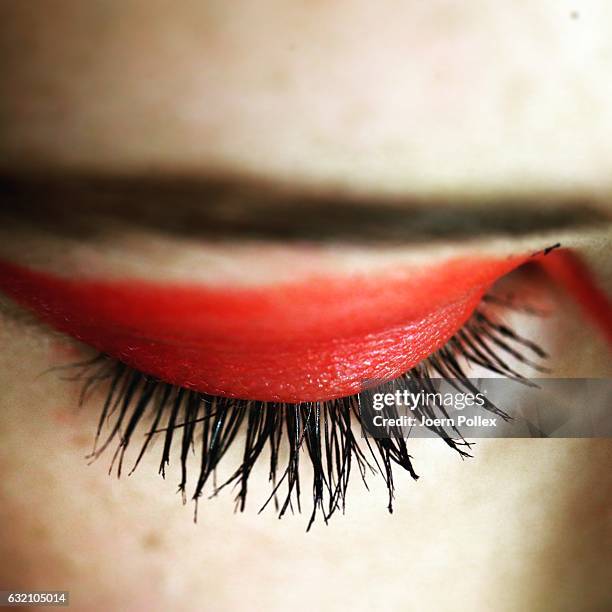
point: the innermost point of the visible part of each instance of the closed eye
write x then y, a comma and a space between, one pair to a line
277, 341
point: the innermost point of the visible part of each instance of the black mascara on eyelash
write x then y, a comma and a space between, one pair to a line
321, 433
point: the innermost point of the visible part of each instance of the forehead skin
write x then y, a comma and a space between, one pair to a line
399, 97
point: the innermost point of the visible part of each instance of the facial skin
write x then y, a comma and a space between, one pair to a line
394, 99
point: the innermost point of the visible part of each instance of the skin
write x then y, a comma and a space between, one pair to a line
479, 102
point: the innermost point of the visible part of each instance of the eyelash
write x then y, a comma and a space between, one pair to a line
321, 432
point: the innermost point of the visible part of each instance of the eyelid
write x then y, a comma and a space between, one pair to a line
569, 271
315, 339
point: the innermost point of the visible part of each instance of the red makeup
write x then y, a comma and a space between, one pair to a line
314, 339
572, 274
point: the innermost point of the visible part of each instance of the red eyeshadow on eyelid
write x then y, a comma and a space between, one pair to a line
314, 339
569, 271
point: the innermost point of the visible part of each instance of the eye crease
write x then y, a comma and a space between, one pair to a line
245, 208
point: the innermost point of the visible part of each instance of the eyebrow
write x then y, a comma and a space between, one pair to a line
235, 208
